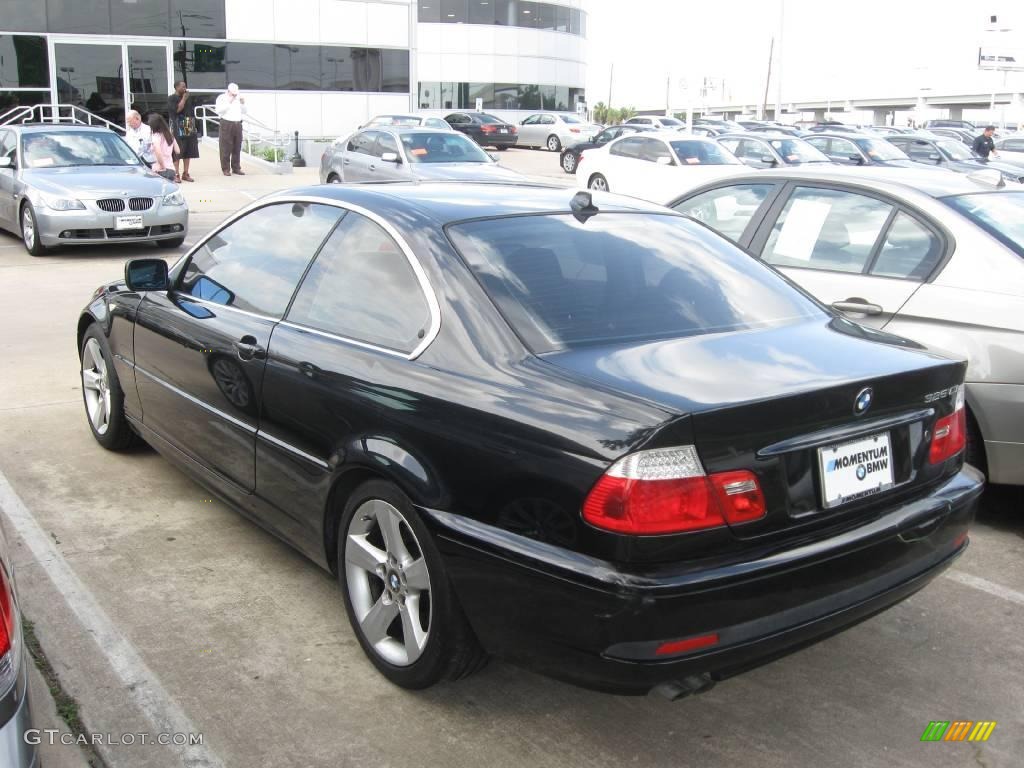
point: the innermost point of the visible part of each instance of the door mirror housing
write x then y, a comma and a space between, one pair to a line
663, 160
935, 157
146, 275
768, 160
857, 159
391, 157
6, 162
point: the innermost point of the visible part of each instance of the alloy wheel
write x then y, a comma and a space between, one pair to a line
599, 183
554, 144
569, 163
28, 228
96, 384
388, 582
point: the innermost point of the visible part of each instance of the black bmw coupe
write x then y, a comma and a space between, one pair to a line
581, 433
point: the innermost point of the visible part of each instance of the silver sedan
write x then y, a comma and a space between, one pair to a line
555, 131
80, 185
409, 154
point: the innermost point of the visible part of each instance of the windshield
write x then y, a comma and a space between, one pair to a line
616, 277
880, 149
797, 151
436, 147
999, 213
703, 153
954, 150
75, 148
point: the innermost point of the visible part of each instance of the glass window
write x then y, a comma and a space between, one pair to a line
880, 149
561, 18
430, 10
297, 68
23, 15
575, 21
1012, 145
954, 150
562, 283
362, 143
91, 76
545, 16
24, 62
630, 147
999, 213
727, 210
692, 152
447, 148
362, 287
504, 14
797, 151
653, 149
386, 143
483, 91
538, 97
140, 17
454, 11
481, 12
527, 14
826, 229
255, 263
561, 98
251, 65
198, 18
201, 64
78, 16
910, 250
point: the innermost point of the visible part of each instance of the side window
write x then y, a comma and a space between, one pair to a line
920, 150
733, 145
627, 147
8, 143
826, 229
386, 143
531, 120
726, 210
819, 142
547, 120
641, 121
362, 143
844, 149
1013, 145
371, 141
433, 122
362, 287
654, 149
255, 263
457, 119
910, 250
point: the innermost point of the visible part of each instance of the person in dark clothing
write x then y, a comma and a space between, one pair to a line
983, 145
181, 116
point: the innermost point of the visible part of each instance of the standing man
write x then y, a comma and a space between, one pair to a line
139, 137
984, 145
181, 117
230, 107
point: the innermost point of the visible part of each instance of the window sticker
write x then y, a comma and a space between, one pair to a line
801, 229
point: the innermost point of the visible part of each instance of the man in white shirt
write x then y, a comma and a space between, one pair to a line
139, 137
230, 107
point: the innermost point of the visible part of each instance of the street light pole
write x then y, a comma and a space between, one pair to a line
778, 59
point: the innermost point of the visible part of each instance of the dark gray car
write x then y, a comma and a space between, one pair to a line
860, 149
409, 154
951, 154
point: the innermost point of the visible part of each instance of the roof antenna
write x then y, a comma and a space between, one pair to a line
583, 207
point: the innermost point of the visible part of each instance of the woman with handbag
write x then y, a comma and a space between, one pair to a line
164, 148
181, 117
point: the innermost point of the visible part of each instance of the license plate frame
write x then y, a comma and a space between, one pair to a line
842, 484
128, 223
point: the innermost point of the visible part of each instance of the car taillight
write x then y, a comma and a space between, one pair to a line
487, 128
8, 626
512, 129
950, 434
666, 491
574, 130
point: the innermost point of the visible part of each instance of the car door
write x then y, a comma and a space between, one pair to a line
529, 131
200, 348
386, 170
359, 153
623, 167
864, 255
340, 377
662, 172
8, 148
753, 153
546, 126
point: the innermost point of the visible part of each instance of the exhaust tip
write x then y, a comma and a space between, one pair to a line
673, 690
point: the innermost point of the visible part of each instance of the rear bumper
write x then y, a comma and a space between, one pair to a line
499, 140
593, 624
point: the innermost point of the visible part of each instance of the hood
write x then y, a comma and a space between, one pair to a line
700, 373
91, 183
464, 172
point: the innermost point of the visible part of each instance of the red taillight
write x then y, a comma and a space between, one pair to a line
689, 644
7, 609
950, 434
488, 128
666, 491
574, 130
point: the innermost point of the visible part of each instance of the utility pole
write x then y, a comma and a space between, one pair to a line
668, 95
767, 82
611, 79
778, 62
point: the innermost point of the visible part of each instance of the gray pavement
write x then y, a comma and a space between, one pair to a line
161, 609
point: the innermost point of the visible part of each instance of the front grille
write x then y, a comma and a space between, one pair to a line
140, 203
113, 234
112, 205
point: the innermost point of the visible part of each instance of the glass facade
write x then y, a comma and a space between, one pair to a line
506, 13
211, 65
556, 98
158, 18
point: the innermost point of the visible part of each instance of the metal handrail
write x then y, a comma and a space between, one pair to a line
250, 138
57, 113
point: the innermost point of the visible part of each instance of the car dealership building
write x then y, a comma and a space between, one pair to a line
316, 66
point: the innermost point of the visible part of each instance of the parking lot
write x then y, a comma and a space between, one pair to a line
162, 610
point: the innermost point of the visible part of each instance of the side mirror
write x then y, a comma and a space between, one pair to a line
857, 159
390, 157
768, 160
935, 157
663, 160
146, 275
6, 162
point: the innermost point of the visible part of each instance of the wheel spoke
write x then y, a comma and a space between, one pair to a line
414, 636
390, 529
91, 380
376, 622
362, 554
97, 415
416, 575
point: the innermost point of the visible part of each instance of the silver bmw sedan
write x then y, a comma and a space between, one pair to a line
83, 185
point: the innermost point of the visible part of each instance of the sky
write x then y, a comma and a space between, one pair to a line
831, 50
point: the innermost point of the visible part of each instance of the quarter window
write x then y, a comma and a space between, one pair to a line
627, 147
727, 210
911, 250
362, 287
826, 229
653, 150
255, 263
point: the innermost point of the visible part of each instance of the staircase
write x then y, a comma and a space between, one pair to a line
258, 139
56, 114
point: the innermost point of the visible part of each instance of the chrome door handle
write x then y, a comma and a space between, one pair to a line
857, 305
348, 162
249, 349
373, 167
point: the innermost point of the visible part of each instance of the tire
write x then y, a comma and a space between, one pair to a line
975, 452
175, 243
553, 144
401, 588
334, 179
102, 394
598, 182
30, 231
501, 149
569, 162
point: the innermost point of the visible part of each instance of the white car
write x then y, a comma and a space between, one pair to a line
1011, 149
554, 131
658, 121
655, 166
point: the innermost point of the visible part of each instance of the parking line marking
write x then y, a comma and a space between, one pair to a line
985, 585
141, 683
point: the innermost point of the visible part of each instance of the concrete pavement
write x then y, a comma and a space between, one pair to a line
184, 615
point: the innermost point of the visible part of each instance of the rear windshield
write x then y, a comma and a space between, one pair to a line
1000, 213
621, 277
670, 121
570, 119
489, 119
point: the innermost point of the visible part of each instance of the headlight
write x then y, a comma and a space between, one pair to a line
175, 198
61, 203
